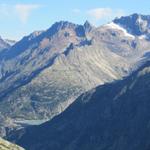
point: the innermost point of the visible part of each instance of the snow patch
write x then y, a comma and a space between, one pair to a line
30, 122
139, 20
142, 37
117, 27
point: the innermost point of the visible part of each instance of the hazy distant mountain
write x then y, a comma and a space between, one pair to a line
111, 117
44, 72
3, 44
10, 42
5, 145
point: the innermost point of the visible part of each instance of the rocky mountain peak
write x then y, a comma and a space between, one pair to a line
135, 24
60, 26
88, 26
65, 25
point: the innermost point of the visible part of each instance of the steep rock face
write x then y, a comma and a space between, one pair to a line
113, 116
5, 145
42, 74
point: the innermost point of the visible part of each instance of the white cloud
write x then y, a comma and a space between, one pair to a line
98, 14
23, 11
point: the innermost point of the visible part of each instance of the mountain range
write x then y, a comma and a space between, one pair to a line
113, 116
44, 72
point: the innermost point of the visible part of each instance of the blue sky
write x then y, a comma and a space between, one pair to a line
21, 17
